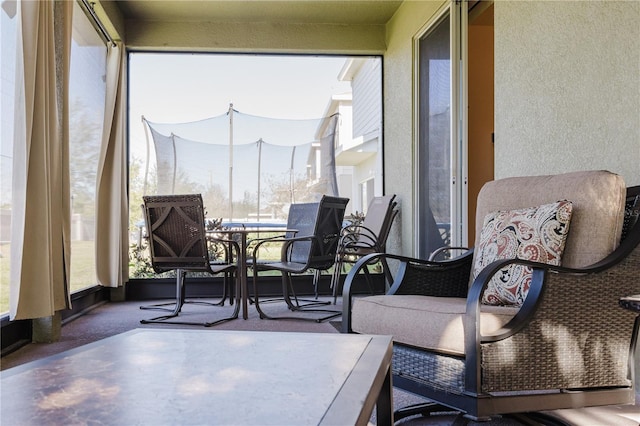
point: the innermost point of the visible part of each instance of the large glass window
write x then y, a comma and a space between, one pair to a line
8, 22
252, 133
86, 104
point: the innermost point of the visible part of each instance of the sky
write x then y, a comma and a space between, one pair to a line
193, 86
189, 87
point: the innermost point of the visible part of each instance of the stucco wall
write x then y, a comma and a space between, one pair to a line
398, 95
567, 88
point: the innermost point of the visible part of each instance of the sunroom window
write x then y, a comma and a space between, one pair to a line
86, 117
251, 133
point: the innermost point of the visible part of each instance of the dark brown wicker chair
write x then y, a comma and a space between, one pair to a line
312, 248
178, 242
570, 344
364, 238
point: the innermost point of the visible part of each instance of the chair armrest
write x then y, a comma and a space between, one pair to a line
255, 241
283, 243
357, 236
228, 246
414, 276
449, 249
569, 314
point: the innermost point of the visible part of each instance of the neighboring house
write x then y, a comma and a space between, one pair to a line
358, 141
340, 106
336, 127
363, 152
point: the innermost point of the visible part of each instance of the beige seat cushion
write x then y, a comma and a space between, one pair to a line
598, 199
423, 321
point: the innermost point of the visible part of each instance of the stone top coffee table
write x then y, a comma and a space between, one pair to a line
186, 377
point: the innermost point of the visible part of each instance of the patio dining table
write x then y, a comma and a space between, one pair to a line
242, 230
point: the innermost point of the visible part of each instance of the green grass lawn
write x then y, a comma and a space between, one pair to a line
82, 269
4, 277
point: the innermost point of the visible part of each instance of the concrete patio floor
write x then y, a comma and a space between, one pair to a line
114, 318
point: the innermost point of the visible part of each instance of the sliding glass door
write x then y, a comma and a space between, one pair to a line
441, 168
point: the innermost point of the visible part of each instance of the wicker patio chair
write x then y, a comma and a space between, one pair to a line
178, 242
569, 345
370, 236
313, 247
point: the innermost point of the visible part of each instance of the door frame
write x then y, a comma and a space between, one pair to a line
458, 18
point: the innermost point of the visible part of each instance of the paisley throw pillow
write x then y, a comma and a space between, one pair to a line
537, 234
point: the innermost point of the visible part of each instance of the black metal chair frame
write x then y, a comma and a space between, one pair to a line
300, 220
178, 242
301, 253
418, 370
368, 237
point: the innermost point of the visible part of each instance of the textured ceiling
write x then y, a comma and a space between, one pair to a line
368, 12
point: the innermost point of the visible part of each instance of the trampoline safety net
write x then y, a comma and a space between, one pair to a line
246, 167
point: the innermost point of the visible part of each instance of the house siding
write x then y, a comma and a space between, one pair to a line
367, 111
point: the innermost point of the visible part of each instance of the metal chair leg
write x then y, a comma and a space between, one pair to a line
422, 409
179, 303
180, 296
308, 302
293, 306
335, 278
161, 306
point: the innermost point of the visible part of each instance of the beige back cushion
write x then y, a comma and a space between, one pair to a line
598, 199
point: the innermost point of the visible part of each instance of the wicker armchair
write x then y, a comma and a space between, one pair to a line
178, 242
569, 345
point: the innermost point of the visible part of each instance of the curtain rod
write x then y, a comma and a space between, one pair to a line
98, 23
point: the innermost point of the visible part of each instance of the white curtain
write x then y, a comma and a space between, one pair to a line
40, 243
111, 190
